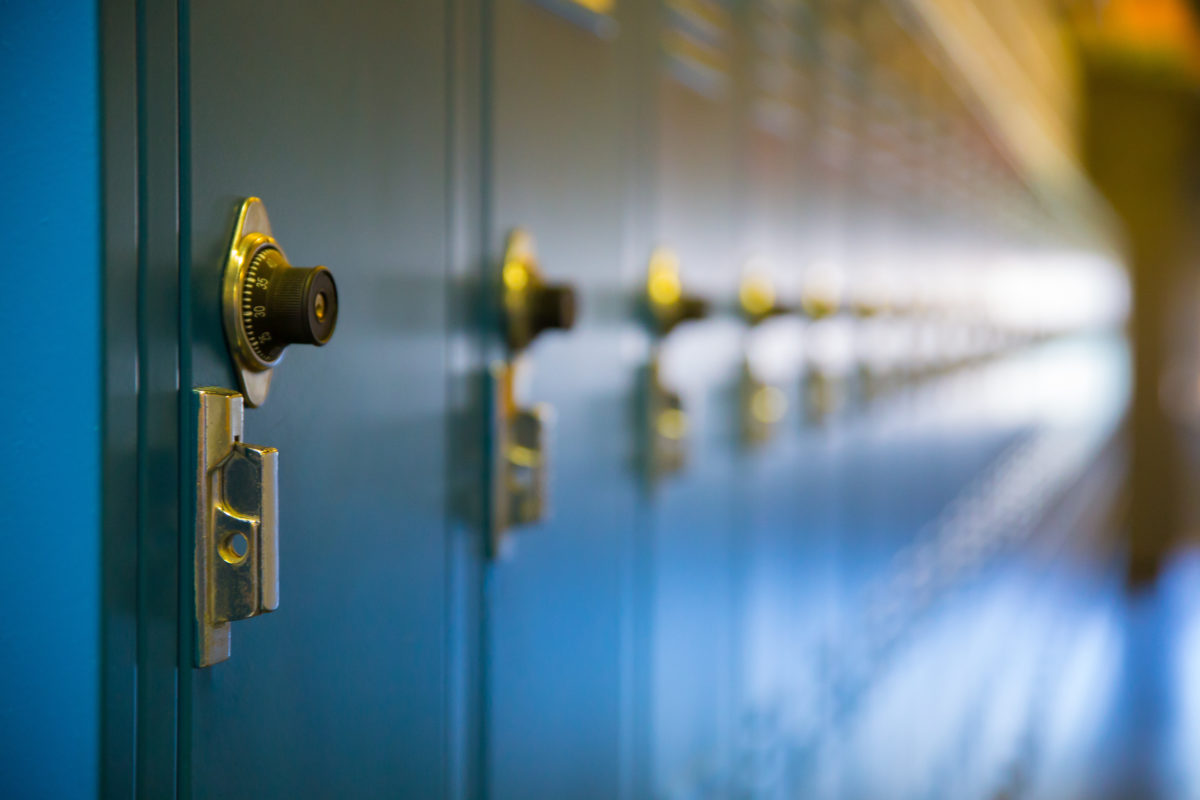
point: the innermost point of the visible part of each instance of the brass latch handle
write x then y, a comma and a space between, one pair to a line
520, 459
763, 403
664, 438
236, 558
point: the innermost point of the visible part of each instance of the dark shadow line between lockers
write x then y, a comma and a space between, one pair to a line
120, 410
187, 497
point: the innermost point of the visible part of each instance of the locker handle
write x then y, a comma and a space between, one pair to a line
236, 558
519, 462
665, 421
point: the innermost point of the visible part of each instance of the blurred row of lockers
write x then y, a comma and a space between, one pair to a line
848, 590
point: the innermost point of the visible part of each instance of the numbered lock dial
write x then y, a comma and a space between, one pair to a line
270, 304
284, 305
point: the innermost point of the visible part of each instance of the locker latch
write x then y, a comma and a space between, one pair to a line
763, 402
665, 420
666, 426
822, 388
236, 558
519, 467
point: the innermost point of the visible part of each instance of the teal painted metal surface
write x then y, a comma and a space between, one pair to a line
558, 606
160, 361
50, 474
697, 544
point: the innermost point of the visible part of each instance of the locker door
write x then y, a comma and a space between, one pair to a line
557, 604
780, 488
695, 556
335, 115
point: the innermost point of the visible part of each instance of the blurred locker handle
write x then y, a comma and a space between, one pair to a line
763, 404
518, 461
665, 422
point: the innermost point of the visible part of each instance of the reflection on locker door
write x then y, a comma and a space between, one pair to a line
315, 109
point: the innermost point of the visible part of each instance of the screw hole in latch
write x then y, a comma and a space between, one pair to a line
234, 548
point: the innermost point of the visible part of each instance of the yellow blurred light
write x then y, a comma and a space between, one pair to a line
516, 276
1162, 23
663, 283
664, 288
768, 404
757, 296
599, 6
819, 306
672, 423
524, 456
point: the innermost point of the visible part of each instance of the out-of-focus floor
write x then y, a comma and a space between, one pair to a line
1146, 740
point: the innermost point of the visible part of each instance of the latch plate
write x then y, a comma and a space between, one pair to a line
763, 407
763, 404
236, 558
665, 434
519, 455
251, 233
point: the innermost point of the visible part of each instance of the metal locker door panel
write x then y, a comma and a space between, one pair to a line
556, 603
694, 556
781, 496
336, 117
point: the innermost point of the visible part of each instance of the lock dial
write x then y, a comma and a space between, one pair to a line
532, 306
269, 304
284, 305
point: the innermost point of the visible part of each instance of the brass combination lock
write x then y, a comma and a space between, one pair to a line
531, 306
268, 303
668, 305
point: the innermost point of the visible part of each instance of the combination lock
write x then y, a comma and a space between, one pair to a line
668, 304
269, 304
532, 306
284, 305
